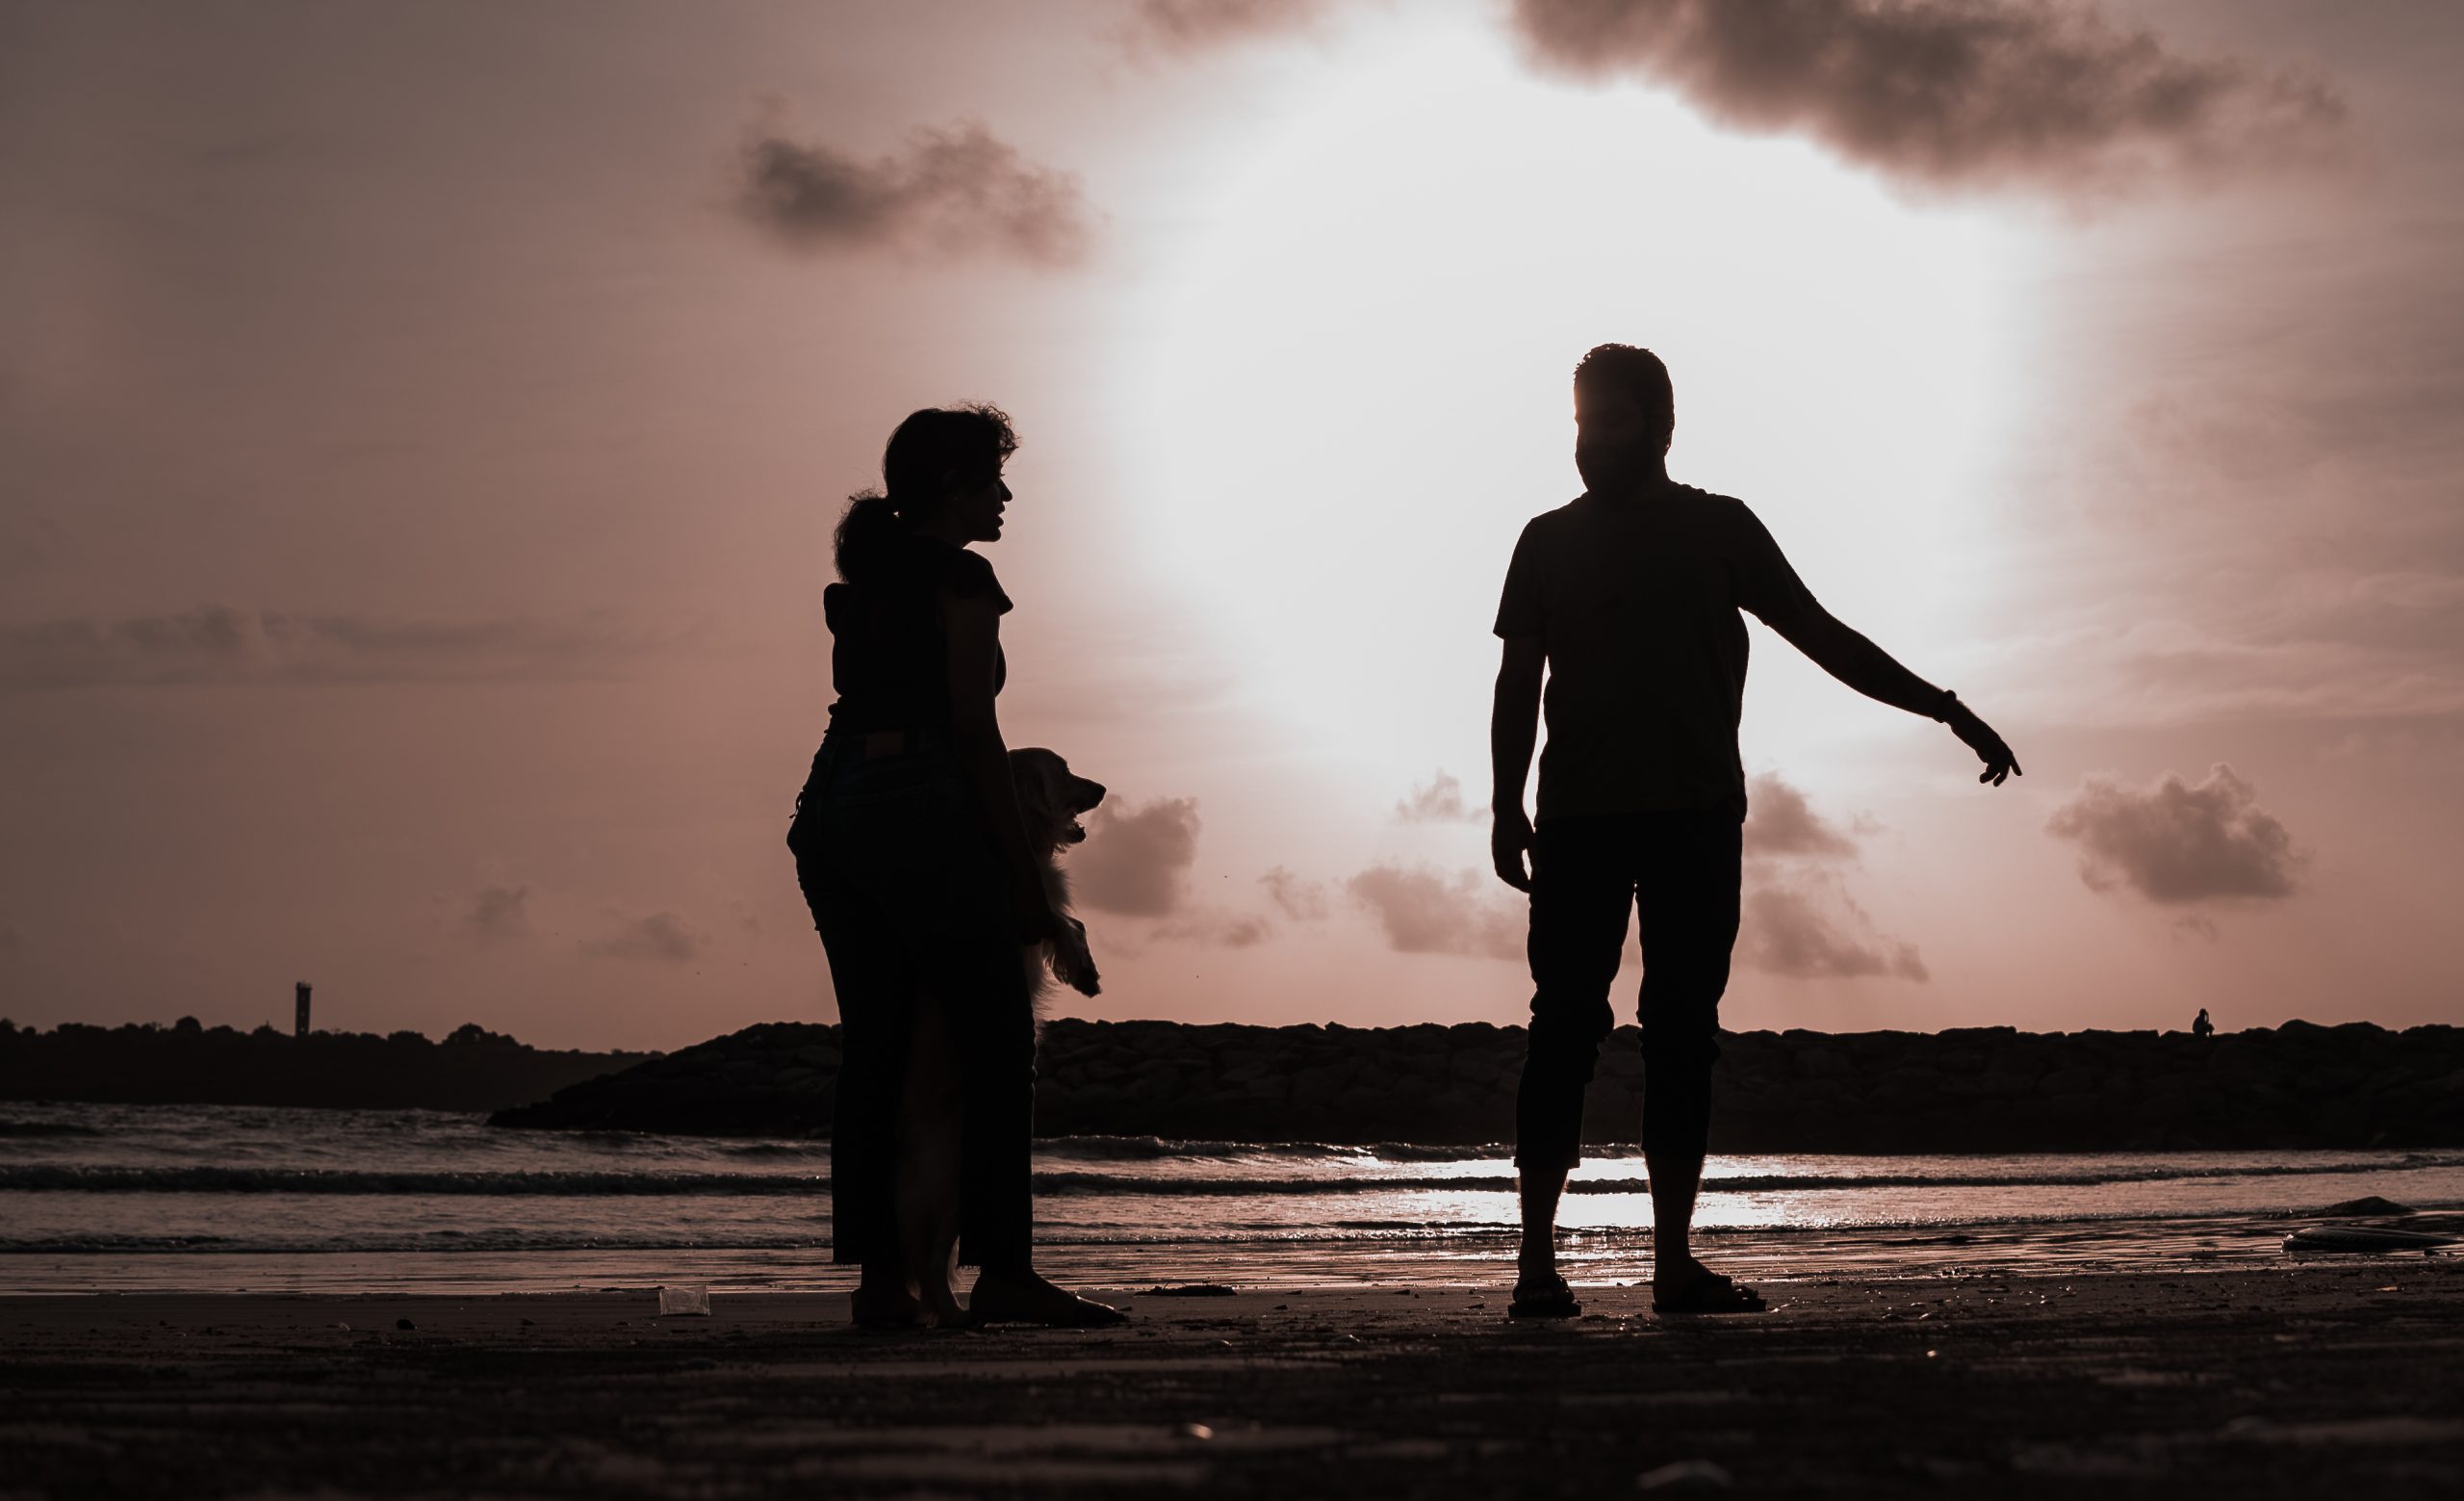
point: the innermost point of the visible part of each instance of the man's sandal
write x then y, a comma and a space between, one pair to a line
1707, 1292
1545, 1297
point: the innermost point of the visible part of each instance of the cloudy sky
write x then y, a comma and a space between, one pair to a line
419, 430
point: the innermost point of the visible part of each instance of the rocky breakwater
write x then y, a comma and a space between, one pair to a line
1978, 1089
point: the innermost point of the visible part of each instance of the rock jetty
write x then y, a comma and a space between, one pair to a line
472, 1069
1967, 1090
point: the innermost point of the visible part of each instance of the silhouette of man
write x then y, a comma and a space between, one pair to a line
2200, 1025
1628, 596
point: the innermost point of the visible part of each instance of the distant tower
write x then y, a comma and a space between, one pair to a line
301, 991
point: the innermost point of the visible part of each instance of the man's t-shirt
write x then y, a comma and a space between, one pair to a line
1635, 602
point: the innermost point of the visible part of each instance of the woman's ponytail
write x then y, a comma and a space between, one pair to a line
867, 526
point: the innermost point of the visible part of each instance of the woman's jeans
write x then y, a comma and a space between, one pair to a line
906, 893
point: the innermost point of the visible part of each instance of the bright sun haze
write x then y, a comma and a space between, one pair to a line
1371, 353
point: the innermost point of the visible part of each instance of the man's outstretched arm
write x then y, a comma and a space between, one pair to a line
1848, 656
1514, 727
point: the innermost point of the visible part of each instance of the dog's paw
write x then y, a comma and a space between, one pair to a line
1072, 964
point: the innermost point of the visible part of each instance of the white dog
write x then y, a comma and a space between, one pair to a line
932, 1108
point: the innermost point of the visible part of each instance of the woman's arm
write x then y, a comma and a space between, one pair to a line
972, 626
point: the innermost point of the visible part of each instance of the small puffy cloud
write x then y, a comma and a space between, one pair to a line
1804, 926
1424, 913
1798, 919
2180, 844
1302, 900
1948, 93
498, 914
1184, 26
216, 643
1780, 821
1439, 802
1215, 929
662, 938
1136, 860
960, 192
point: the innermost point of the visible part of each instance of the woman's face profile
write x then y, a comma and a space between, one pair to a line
975, 509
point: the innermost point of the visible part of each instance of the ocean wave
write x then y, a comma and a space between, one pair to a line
67, 1177
1165, 1149
71, 1179
2049, 1230
24, 1129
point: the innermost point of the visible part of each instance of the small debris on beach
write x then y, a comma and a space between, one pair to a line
404, 1324
1189, 1290
684, 1301
2363, 1207
1685, 1477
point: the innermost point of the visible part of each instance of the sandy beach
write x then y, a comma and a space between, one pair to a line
2274, 1382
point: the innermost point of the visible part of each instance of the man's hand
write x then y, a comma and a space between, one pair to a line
1509, 841
1999, 763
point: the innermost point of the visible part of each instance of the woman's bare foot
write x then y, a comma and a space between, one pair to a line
1026, 1297
939, 1308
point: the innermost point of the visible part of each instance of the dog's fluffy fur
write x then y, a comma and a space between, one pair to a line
1051, 800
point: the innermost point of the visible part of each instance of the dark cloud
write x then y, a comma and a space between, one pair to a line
1947, 92
1302, 901
2178, 844
1136, 860
1439, 802
1424, 913
960, 192
499, 913
1804, 926
1196, 25
662, 938
1780, 821
220, 643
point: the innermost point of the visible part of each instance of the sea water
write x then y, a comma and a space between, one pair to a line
218, 1198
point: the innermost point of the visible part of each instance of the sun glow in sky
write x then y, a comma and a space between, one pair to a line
1356, 373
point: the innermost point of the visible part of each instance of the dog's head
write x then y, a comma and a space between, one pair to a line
1052, 798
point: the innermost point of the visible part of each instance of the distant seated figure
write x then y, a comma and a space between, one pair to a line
2202, 1027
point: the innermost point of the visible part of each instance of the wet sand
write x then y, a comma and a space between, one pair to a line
2332, 1376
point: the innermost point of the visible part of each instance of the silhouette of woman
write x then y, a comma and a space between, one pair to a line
913, 857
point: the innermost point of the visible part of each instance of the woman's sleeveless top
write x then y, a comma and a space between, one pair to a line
889, 656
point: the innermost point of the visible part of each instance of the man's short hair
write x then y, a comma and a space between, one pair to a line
1637, 373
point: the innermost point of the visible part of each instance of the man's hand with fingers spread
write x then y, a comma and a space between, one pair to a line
1999, 763
1509, 841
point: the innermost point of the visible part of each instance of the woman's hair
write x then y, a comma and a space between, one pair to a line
933, 451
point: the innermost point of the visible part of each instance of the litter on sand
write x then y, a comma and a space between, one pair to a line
2351, 1239
675, 1300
